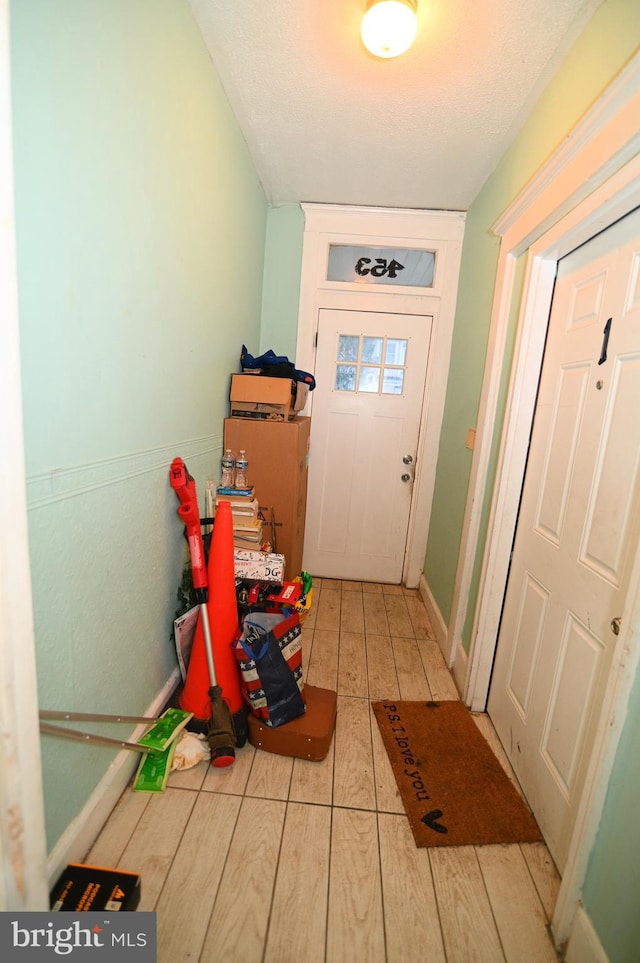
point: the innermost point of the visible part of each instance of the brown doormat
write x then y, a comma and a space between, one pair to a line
454, 790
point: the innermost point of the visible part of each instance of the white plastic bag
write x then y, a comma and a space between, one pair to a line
191, 749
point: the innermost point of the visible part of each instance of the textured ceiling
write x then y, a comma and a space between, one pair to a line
328, 123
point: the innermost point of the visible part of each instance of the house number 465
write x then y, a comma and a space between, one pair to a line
381, 267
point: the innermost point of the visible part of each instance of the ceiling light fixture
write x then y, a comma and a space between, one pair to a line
389, 27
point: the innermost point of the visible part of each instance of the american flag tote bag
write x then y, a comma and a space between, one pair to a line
269, 653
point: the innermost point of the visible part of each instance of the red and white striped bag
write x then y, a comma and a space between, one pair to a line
268, 648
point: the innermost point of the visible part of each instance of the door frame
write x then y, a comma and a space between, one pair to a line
439, 231
591, 181
24, 884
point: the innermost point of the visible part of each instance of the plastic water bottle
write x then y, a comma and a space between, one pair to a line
241, 470
227, 469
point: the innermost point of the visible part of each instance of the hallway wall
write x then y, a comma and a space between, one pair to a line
140, 243
612, 885
281, 291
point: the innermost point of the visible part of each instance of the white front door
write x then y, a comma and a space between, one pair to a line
370, 372
578, 526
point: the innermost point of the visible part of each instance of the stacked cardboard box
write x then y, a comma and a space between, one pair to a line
278, 463
266, 399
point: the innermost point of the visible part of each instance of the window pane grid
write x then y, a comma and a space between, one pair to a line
371, 365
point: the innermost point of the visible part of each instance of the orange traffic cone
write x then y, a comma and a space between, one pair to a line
223, 619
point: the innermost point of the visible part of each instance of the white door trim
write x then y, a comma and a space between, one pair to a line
592, 180
603, 142
442, 231
23, 883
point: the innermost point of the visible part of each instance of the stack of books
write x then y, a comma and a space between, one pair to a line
247, 523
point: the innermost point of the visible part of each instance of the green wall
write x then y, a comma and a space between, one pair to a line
468, 350
140, 238
281, 291
612, 887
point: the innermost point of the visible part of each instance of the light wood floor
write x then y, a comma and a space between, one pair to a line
287, 861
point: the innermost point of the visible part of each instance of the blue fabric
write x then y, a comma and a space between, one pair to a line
275, 365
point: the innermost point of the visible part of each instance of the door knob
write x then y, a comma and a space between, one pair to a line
615, 625
406, 477
407, 459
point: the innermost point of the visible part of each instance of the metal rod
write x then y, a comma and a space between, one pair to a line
208, 645
91, 716
49, 730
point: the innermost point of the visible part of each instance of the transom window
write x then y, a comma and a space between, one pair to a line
371, 364
400, 267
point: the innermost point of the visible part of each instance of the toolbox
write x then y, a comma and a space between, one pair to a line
306, 737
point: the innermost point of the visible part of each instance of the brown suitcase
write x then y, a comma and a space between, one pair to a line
307, 737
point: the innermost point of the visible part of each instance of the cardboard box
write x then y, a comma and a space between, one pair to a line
266, 399
278, 466
263, 566
93, 888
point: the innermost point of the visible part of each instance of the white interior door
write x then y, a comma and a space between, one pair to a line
579, 523
370, 373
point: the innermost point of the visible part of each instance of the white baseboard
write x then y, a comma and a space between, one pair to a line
459, 665
459, 668
82, 831
434, 613
584, 945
